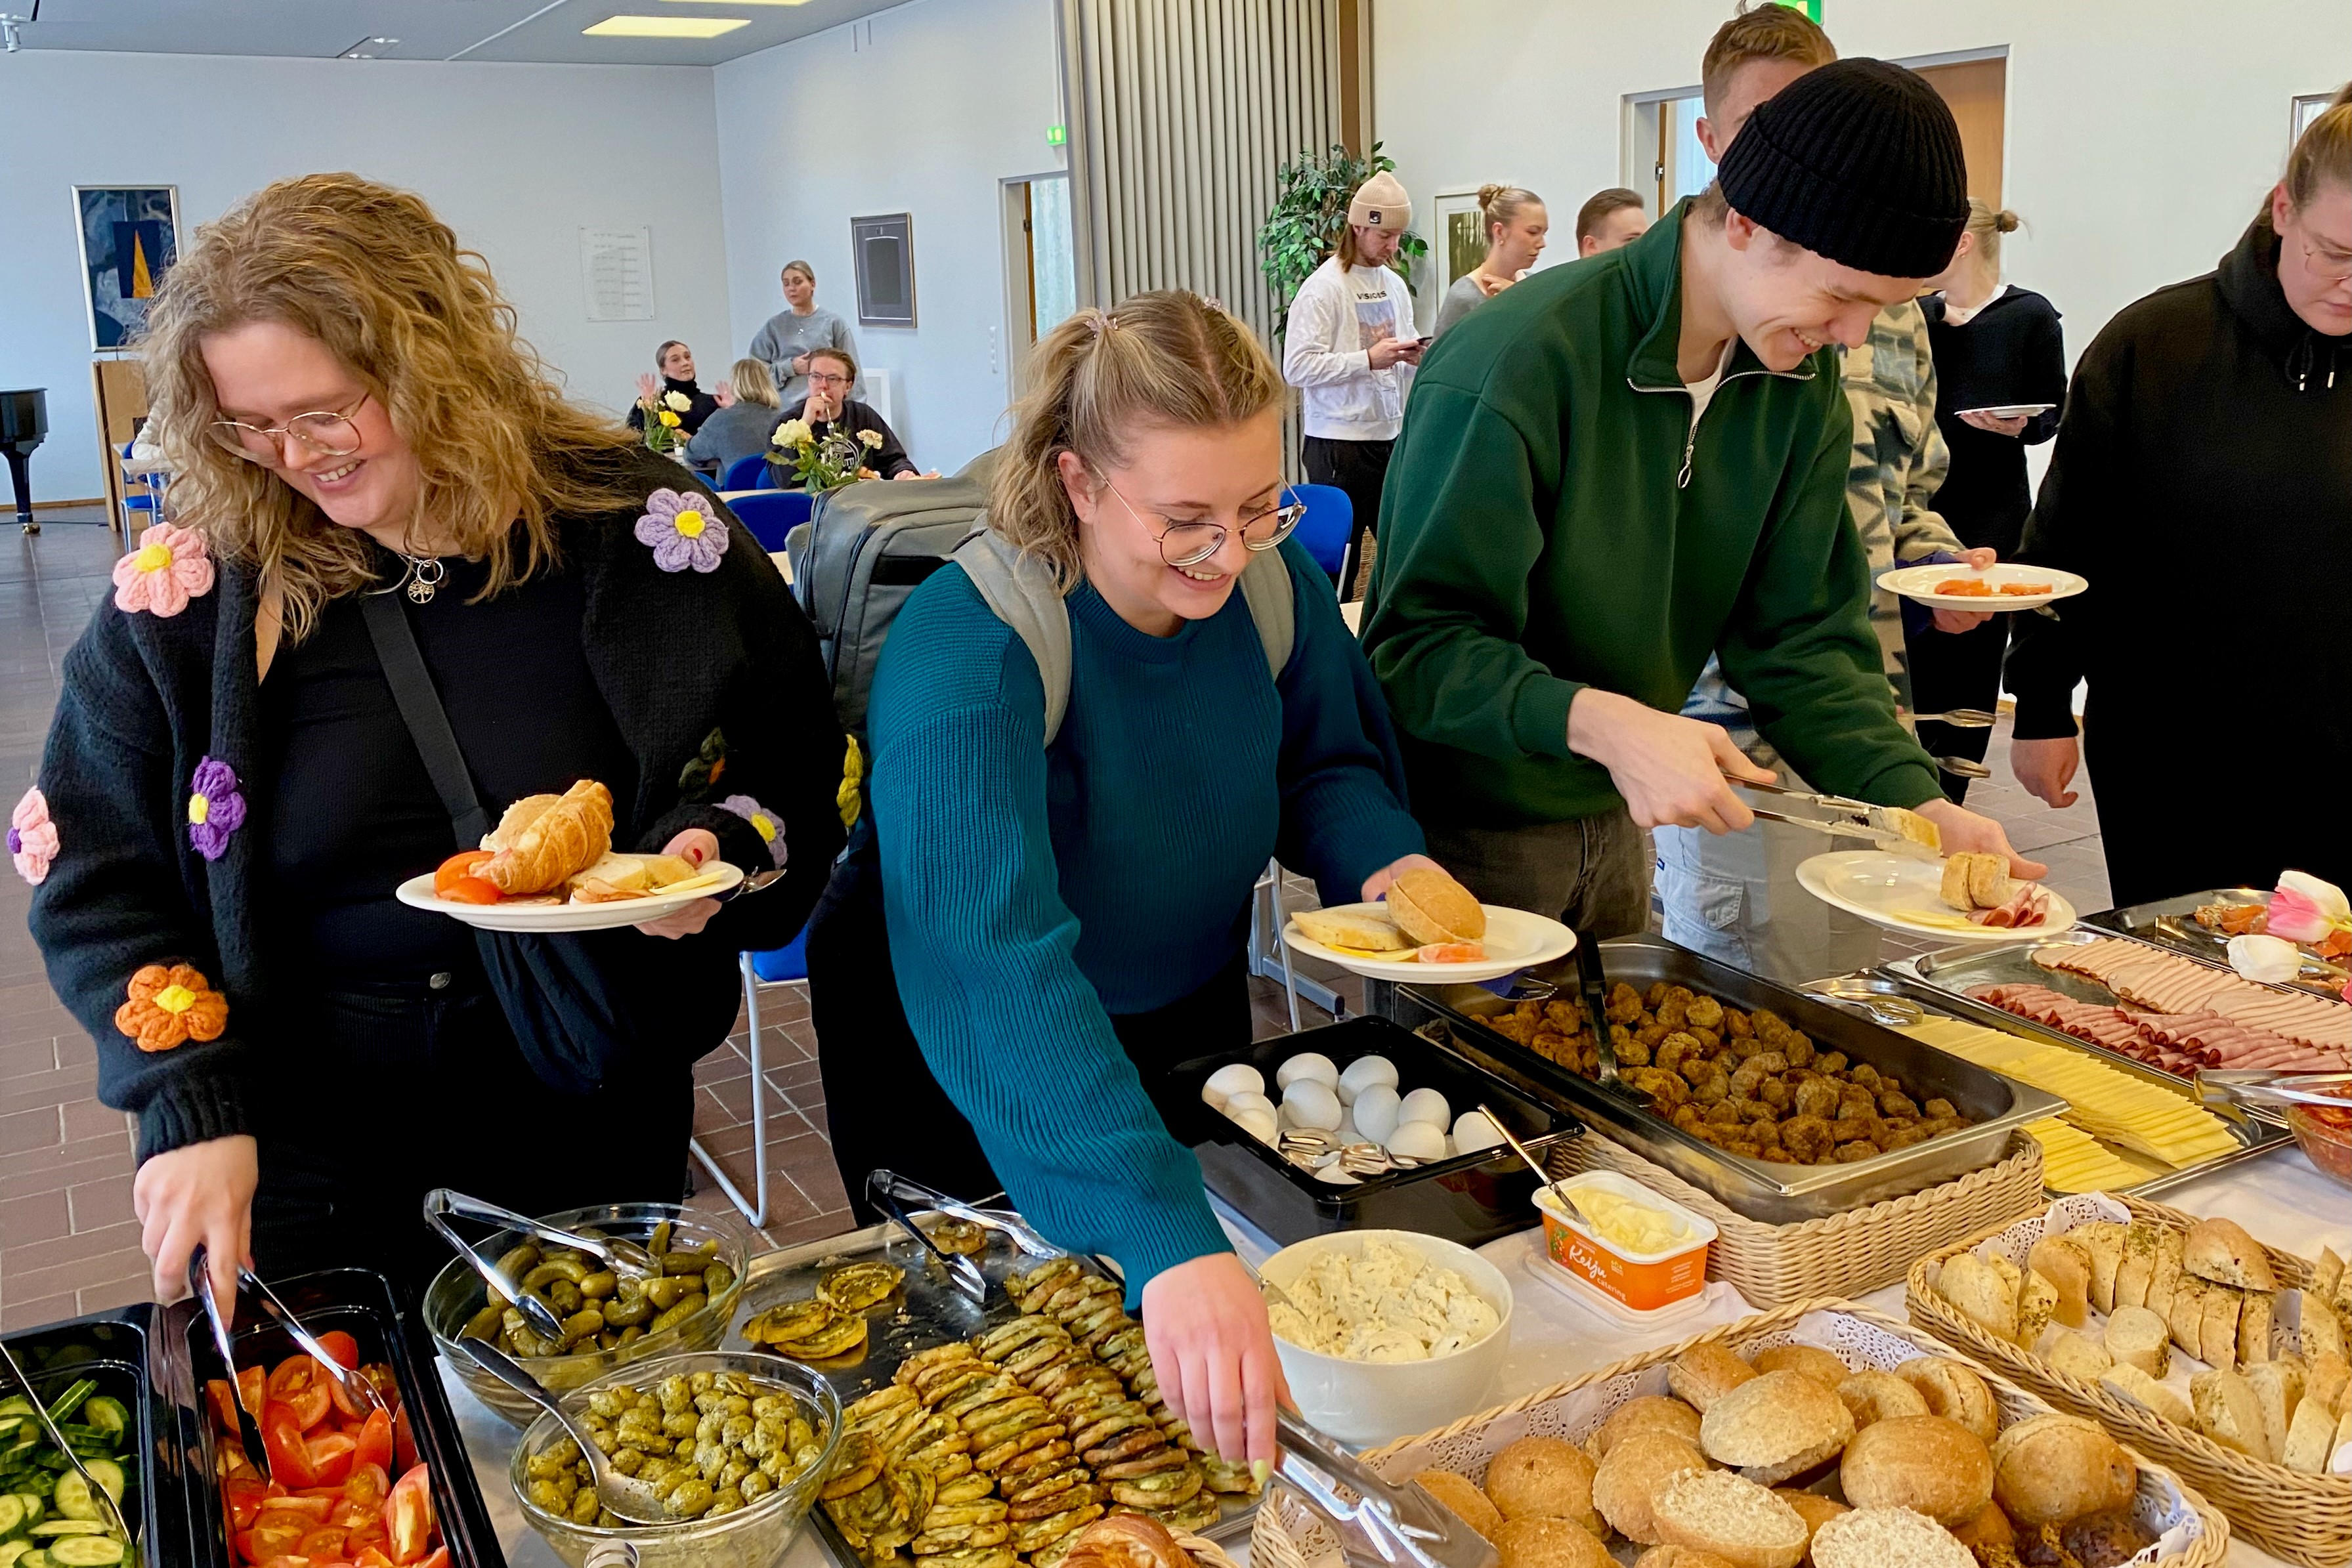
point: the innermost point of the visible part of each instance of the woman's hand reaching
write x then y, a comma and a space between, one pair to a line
1213, 1352
197, 1193
648, 389
698, 847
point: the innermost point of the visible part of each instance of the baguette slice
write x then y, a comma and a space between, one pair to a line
2321, 1333
2103, 1241
1979, 1294
2221, 1250
2164, 1277
2277, 1394
2255, 1330
2228, 1412
2127, 1382
2185, 1314
2137, 1337
2310, 1439
2138, 1265
2328, 1379
2223, 1307
2079, 1356
2065, 1262
2037, 1304
2326, 1273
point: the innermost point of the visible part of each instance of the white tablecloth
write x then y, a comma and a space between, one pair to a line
2280, 1198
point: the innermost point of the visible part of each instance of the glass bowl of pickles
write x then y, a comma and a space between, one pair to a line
609, 1320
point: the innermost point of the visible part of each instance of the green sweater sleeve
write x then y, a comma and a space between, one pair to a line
1460, 535
1799, 647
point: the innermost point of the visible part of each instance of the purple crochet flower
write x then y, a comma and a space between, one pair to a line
684, 530
763, 821
215, 808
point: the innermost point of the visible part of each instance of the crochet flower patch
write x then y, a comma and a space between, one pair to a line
170, 567
763, 822
702, 772
683, 531
32, 837
169, 1006
215, 808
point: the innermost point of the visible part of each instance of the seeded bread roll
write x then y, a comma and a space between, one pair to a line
1630, 1476
2078, 1357
2228, 1412
1777, 1424
1923, 1463
2065, 1262
1678, 1557
2137, 1337
1738, 1520
1990, 1529
2103, 1241
1462, 1496
2051, 1469
1818, 1365
1538, 1541
1648, 1413
1704, 1374
1954, 1391
1543, 1478
1870, 1395
2221, 1252
2128, 1382
1811, 1507
1888, 1538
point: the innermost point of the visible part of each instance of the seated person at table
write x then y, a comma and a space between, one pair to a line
745, 420
674, 360
830, 408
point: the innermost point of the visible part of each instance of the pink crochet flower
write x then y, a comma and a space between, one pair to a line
32, 837
170, 567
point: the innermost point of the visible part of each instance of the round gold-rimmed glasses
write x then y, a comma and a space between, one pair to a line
1189, 544
327, 434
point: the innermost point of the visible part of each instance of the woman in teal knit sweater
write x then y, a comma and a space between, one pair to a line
1066, 920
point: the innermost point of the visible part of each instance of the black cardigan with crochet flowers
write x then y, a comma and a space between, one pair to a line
709, 669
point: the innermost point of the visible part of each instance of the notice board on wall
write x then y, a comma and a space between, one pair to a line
616, 268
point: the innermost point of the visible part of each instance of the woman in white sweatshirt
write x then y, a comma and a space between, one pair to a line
1349, 349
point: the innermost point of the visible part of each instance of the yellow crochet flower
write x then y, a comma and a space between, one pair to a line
853, 773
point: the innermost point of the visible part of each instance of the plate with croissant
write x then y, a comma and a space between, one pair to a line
549, 866
1966, 897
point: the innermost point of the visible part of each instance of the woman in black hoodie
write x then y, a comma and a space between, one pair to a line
2202, 481
674, 360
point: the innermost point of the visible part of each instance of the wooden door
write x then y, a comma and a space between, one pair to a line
1978, 92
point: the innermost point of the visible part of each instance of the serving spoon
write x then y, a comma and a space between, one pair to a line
1551, 1182
639, 1502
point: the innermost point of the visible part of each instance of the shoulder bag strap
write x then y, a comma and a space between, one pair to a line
420, 709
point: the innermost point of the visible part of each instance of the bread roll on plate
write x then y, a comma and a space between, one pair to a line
2050, 1469
1366, 933
1462, 1496
1543, 1478
1623, 1485
1745, 1524
1540, 1541
1776, 1425
1430, 907
1888, 1538
1923, 1463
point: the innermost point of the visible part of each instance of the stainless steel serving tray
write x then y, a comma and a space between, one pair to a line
2171, 923
926, 1311
1773, 1193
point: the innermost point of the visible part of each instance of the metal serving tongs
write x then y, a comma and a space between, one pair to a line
906, 1190
620, 1256
99, 1494
360, 1393
249, 1430
1401, 1527
2252, 1086
1884, 825
1860, 992
884, 1187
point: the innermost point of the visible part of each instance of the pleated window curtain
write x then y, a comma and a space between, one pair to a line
1180, 111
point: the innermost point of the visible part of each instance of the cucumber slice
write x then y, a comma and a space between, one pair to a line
107, 1474
15, 1405
86, 1551
12, 1551
35, 1509
37, 1558
73, 1499
70, 1527
11, 1514
107, 1415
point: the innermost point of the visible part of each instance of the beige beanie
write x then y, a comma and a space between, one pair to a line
1381, 203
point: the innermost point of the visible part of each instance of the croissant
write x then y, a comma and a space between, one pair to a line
546, 844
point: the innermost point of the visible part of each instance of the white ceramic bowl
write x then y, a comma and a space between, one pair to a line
1364, 1402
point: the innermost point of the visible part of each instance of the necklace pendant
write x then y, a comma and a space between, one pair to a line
419, 590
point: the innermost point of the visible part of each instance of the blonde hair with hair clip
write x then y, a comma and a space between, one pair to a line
372, 274
1167, 358
1988, 227
755, 383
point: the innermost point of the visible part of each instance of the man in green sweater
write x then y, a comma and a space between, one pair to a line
1625, 465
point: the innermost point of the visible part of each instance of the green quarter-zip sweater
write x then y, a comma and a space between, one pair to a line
1553, 521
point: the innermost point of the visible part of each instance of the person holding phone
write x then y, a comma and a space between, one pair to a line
1349, 349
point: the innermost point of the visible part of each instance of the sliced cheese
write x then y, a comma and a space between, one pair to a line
2126, 1112
2073, 1161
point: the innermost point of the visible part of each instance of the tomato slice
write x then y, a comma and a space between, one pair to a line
281, 1437
461, 864
440, 1559
331, 1461
244, 1495
374, 1442
274, 1536
324, 1544
408, 1516
299, 1384
341, 1346
312, 1509
404, 1441
369, 1557
368, 1484
470, 890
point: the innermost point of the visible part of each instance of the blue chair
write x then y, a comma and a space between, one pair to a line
773, 967
745, 474
772, 514
142, 493
1323, 531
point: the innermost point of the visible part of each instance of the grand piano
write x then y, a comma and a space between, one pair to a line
24, 424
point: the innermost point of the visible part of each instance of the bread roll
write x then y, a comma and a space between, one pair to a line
2065, 1262
1738, 1520
2137, 1267
1460, 1495
1954, 1391
1775, 1426
1430, 906
1648, 1413
1543, 1478
2221, 1252
1704, 1374
1870, 1395
2051, 1469
2254, 1328
1887, 1538
2137, 1337
2079, 1356
2165, 1276
2228, 1412
2104, 1242
2217, 1345
1623, 1485
1678, 1557
1979, 1293
1369, 933
1818, 1365
1990, 1529
1540, 1541
1811, 1507
1923, 1463
2037, 1303
2128, 1382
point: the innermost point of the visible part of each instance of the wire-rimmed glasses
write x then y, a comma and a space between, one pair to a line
327, 432
1189, 544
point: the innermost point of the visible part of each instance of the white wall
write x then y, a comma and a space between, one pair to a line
923, 108
515, 158
2141, 135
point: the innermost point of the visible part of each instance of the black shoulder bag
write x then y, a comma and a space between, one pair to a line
567, 1015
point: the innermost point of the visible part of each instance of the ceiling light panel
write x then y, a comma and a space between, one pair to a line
665, 26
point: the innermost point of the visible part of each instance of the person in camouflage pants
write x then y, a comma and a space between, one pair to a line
1734, 897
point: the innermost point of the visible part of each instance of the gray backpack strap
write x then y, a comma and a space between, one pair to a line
1019, 590
1273, 605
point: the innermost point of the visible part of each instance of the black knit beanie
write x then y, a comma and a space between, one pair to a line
1860, 161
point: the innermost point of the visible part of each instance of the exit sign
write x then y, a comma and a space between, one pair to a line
1812, 8
1057, 135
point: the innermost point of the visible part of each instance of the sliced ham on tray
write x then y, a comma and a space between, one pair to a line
2165, 983
2177, 1042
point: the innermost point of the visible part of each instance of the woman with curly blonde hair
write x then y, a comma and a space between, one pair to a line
406, 585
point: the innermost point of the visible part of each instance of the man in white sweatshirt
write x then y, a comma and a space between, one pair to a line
1349, 349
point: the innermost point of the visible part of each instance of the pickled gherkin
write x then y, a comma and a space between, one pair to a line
709, 1442
600, 1309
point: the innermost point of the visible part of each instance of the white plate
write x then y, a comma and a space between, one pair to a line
1920, 583
1999, 410
1514, 940
1900, 893
417, 894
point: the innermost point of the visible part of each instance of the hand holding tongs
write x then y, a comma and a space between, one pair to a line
2255, 1086
891, 1192
99, 1494
620, 1256
357, 1392
1402, 1527
249, 1430
1849, 819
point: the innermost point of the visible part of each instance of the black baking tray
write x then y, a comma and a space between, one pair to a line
359, 1302
1471, 1198
112, 1347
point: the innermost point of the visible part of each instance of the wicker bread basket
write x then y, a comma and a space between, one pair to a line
2302, 1518
1288, 1533
1844, 1255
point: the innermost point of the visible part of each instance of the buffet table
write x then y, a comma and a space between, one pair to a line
2280, 1197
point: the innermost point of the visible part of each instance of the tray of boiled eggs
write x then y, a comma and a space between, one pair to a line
1357, 1120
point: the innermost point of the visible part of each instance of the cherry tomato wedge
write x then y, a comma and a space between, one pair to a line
330, 1460
375, 1436
462, 864
273, 1535
299, 1384
312, 1509
440, 1559
368, 1484
408, 1517
369, 1557
281, 1437
244, 1496
470, 890
324, 1544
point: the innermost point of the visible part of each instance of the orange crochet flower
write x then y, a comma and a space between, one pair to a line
170, 1007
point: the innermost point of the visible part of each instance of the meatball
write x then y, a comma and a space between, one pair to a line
1737, 1024
1771, 1061
1566, 1017
1713, 1083
1746, 1081
1858, 1129
1866, 1075
1710, 1038
1624, 1004
1724, 1113
1893, 1104
1675, 1010
1807, 1138
1747, 1048
1554, 1048
1904, 1137
1743, 1148
1705, 1011
1755, 1111
1687, 1117
1678, 1052
1938, 1109
1856, 1101
1828, 1061
1798, 1050
1817, 1098
1650, 1034
1708, 1132
1653, 996
1774, 1154
1775, 1093
1856, 1152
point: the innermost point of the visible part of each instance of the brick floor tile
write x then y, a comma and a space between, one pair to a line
87, 1118
32, 1313
117, 1293
22, 1131
98, 1204
41, 1217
